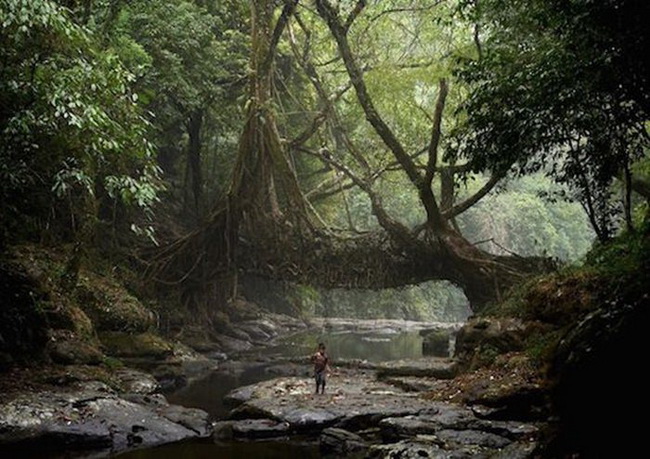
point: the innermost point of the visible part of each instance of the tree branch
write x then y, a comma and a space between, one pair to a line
432, 163
331, 17
356, 11
287, 11
476, 197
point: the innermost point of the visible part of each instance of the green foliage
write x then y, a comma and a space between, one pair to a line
521, 219
190, 58
561, 89
623, 265
69, 122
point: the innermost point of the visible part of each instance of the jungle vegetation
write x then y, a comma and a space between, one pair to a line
330, 144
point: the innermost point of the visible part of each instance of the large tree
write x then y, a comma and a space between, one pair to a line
266, 224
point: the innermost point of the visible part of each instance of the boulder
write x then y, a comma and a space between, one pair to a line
141, 345
240, 395
74, 352
229, 344
452, 439
259, 428
341, 443
419, 448
136, 382
481, 340
111, 307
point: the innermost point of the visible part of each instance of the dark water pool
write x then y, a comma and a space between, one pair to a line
280, 449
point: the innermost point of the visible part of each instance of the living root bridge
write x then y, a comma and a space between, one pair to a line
375, 261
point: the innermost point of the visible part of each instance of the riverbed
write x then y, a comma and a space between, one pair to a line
361, 341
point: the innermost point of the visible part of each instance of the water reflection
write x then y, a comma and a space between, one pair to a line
374, 347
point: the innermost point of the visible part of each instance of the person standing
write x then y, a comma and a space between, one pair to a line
321, 366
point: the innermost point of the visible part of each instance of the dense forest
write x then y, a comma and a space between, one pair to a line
191, 162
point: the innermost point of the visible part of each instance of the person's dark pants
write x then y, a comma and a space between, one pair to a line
320, 381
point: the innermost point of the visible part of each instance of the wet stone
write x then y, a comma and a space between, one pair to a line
341, 443
259, 428
454, 438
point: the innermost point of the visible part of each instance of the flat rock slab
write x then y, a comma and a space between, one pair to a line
90, 420
354, 401
412, 383
250, 429
433, 367
451, 417
424, 446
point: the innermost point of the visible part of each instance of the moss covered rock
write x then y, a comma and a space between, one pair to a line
482, 339
74, 351
111, 307
139, 345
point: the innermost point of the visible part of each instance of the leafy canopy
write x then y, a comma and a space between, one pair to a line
69, 122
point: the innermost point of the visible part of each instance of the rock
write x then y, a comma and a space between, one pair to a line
449, 420
170, 377
155, 402
440, 416
88, 420
518, 450
420, 448
218, 356
142, 345
427, 367
74, 352
480, 340
192, 418
239, 334
467, 437
355, 402
111, 307
301, 419
411, 383
259, 428
435, 342
341, 443
222, 430
377, 326
137, 382
254, 331
229, 344
525, 402
133, 424
240, 395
